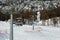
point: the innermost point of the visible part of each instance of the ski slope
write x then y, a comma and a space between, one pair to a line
25, 32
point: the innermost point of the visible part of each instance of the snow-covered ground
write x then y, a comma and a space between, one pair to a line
25, 32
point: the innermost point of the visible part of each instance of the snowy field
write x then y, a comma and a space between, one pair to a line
25, 32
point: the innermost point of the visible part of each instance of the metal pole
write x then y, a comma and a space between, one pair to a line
33, 26
33, 22
11, 27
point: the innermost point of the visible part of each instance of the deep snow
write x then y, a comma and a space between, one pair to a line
25, 32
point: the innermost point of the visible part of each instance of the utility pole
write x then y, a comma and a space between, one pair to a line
11, 22
11, 27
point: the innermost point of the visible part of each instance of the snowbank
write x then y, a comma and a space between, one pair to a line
25, 32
